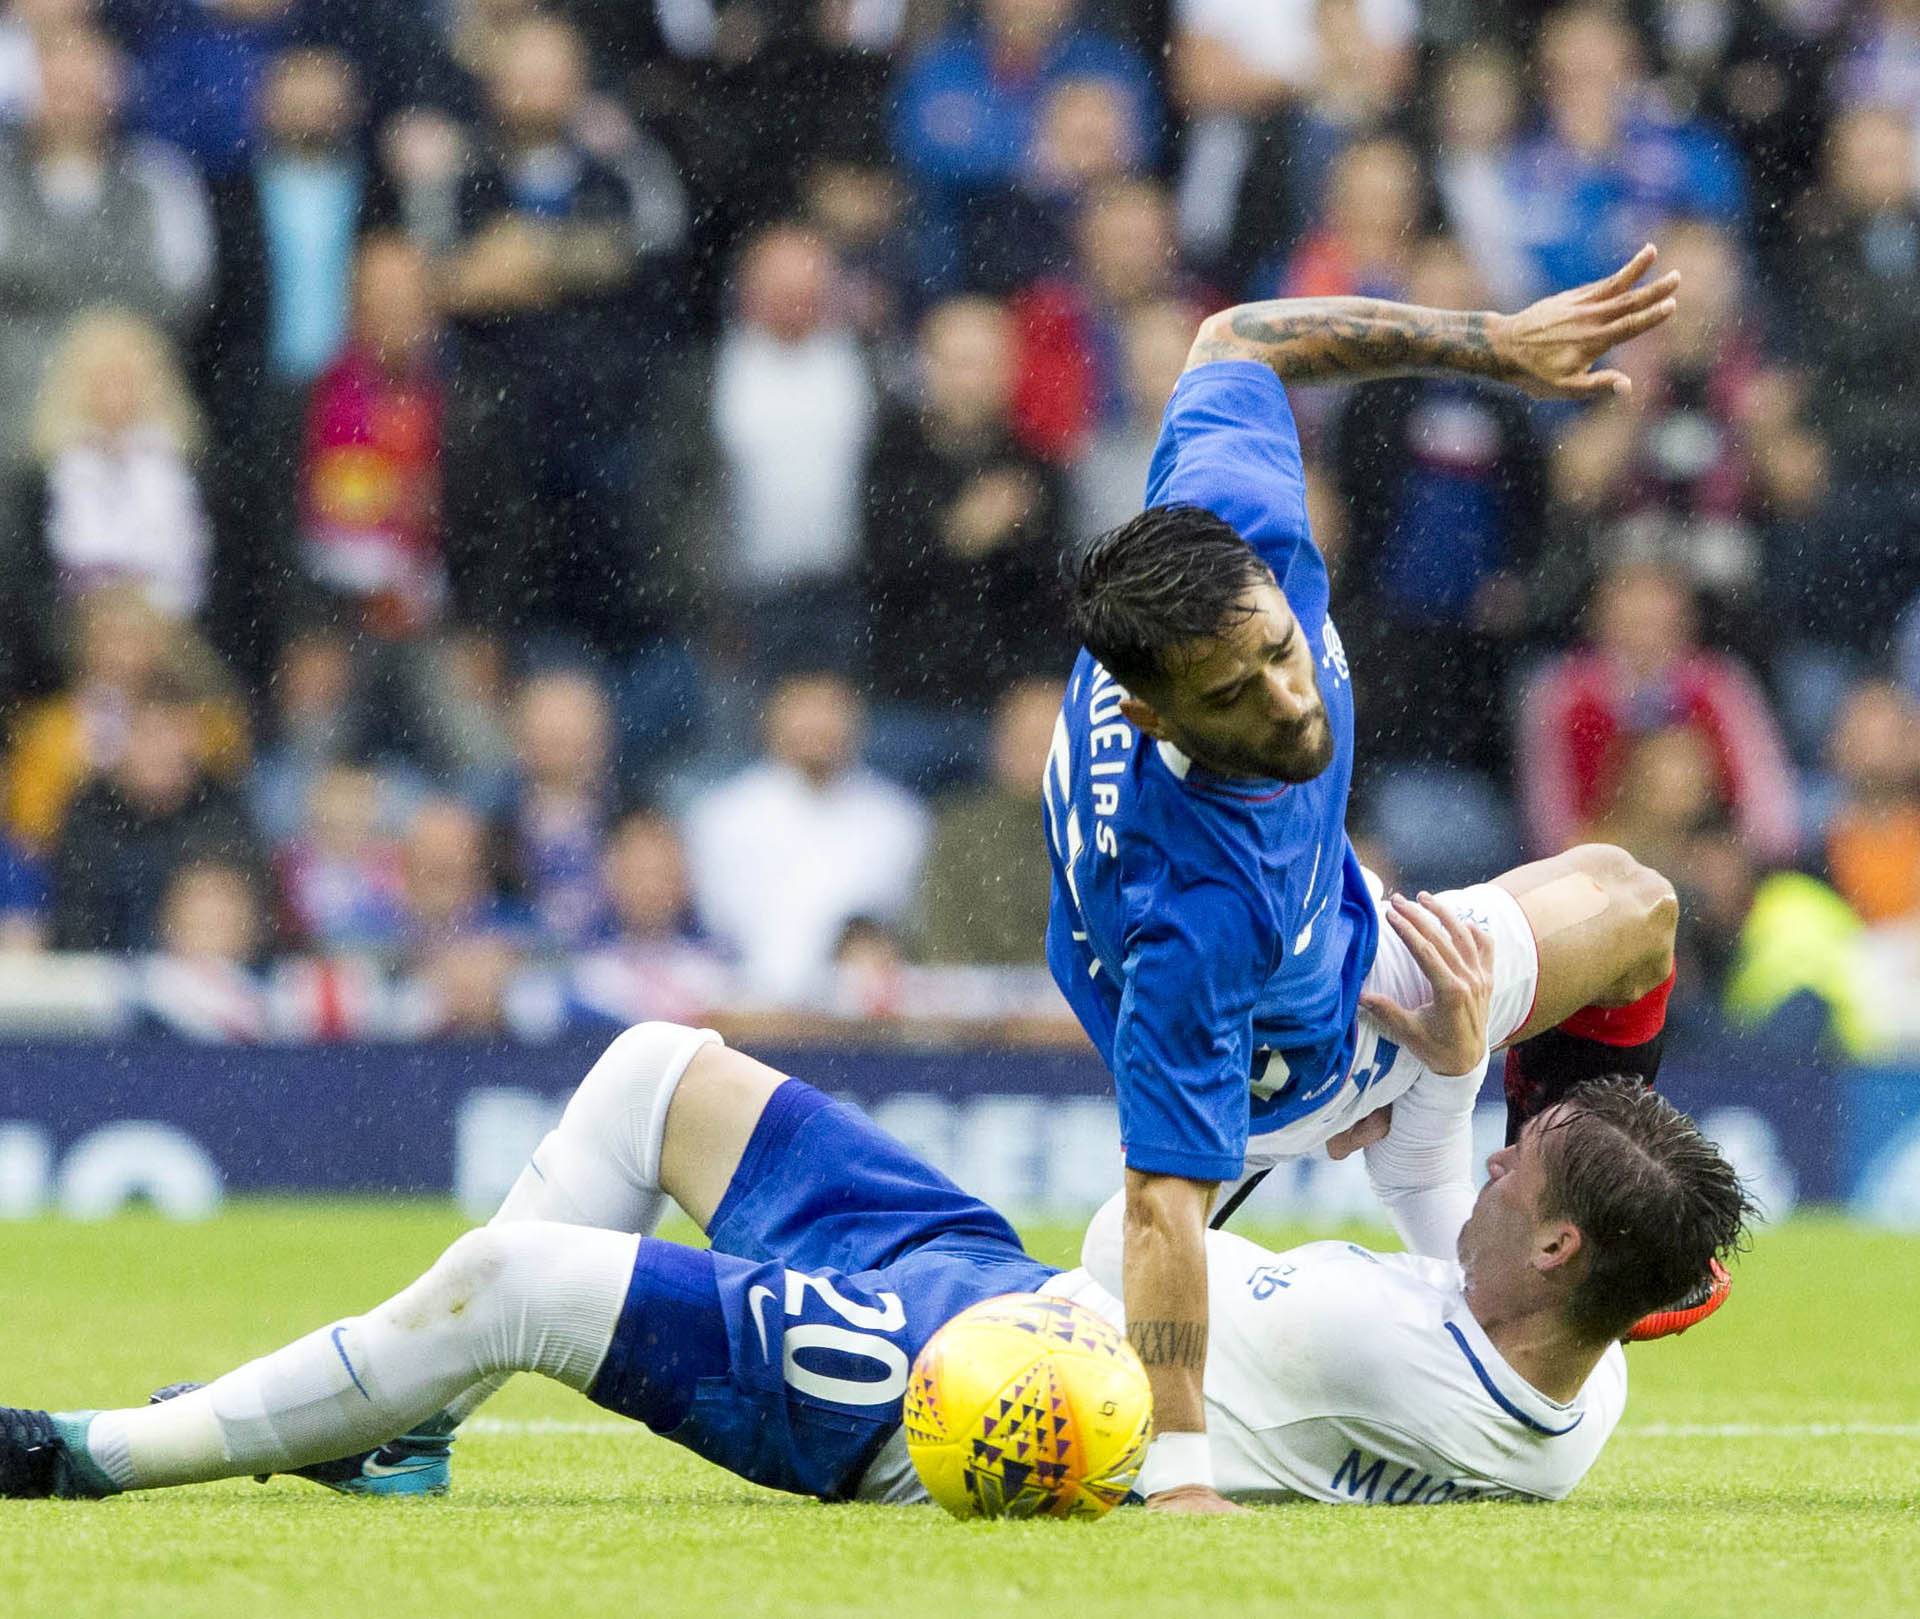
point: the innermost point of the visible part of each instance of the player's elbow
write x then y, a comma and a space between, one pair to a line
1216, 328
1165, 1211
1217, 340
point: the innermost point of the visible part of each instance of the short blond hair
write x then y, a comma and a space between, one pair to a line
62, 415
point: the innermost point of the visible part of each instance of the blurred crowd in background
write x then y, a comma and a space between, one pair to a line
516, 514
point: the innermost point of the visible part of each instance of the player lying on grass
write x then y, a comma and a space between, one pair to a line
1209, 922
782, 1353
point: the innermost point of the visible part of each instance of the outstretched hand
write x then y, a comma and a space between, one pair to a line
1192, 1500
1549, 347
1449, 1034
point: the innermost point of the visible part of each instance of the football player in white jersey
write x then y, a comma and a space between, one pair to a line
782, 1351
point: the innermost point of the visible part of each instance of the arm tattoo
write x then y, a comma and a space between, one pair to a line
1347, 339
1169, 1343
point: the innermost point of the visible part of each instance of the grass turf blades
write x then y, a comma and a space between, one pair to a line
1727, 1492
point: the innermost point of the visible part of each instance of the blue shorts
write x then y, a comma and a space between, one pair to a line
782, 1352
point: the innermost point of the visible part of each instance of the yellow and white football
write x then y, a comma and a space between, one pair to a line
1028, 1407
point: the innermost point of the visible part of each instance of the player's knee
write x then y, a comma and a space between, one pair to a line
471, 1268
629, 1082
503, 1259
631, 1064
1645, 906
457, 1288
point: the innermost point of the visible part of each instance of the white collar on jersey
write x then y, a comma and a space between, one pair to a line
1506, 1387
1174, 760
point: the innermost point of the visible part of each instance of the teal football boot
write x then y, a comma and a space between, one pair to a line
417, 1463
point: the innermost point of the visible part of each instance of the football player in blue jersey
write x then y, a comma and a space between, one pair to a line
1210, 922
1489, 1366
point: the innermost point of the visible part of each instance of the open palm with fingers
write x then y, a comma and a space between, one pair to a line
1549, 347
1449, 1034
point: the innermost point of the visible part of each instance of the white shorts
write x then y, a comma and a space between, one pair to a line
1396, 975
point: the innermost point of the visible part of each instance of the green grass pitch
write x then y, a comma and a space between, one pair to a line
1769, 1465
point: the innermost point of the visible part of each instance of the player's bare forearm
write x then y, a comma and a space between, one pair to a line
1165, 1280
1350, 339
1549, 348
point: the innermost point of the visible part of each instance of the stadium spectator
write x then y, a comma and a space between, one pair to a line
1444, 484
445, 92
1070, 379
1108, 478
446, 891
153, 811
655, 961
1708, 458
25, 25
470, 35
1801, 949
1907, 651
983, 895
1645, 671
1670, 812
970, 105
203, 979
783, 854
1758, 73
1873, 837
407, 558
792, 414
1363, 240
756, 94
1858, 280
1021, 233
421, 155
858, 208
557, 294
869, 977
200, 69
23, 900
1232, 64
113, 495
212, 913
313, 724
19, 64
1360, 85
370, 471
1668, 796
1716, 889
1877, 63
121, 643
339, 875
285, 221
961, 537
468, 988
467, 730
88, 217
1479, 104
1611, 163
437, 709
548, 834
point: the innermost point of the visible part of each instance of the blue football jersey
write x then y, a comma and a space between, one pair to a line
1212, 933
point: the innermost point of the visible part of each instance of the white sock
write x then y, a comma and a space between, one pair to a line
524, 1297
600, 1165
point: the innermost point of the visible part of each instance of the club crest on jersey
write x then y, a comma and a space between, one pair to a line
1335, 656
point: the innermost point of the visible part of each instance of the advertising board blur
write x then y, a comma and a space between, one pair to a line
88, 1128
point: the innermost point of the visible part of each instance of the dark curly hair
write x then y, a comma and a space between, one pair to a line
1169, 577
1653, 1199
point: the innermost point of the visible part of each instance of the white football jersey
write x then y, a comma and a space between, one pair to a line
1353, 1377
